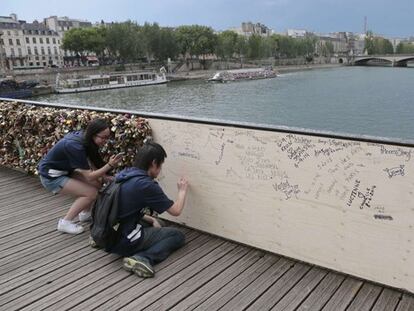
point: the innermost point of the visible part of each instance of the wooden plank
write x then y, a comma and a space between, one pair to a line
219, 282
7, 172
82, 288
65, 273
21, 208
250, 293
11, 192
31, 244
56, 279
344, 295
137, 291
176, 262
301, 290
406, 303
21, 236
40, 251
388, 300
160, 290
17, 266
199, 280
9, 182
15, 226
221, 297
322, 293
29, 273
365, 298
279, 289
46, 208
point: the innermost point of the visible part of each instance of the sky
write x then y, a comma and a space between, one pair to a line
392, 18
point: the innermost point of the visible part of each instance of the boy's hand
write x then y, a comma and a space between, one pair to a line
182, 184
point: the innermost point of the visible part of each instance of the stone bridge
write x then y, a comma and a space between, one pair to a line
394, 60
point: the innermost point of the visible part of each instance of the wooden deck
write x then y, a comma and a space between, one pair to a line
42, 269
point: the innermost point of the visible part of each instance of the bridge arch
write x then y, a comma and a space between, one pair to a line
403, 62
364, 61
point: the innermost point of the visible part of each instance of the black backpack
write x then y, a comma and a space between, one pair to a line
105, 223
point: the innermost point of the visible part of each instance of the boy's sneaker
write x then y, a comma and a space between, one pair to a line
69, 226
84, 216
92, 243
139, 265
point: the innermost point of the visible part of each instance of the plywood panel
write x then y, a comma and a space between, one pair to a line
341, 204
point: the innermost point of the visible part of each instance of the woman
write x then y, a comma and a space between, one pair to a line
74, 166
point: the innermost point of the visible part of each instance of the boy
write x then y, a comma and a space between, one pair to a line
140, 244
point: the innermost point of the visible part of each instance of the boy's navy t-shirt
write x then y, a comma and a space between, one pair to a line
67, 155
137, 192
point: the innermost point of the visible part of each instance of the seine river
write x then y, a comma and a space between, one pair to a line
374, 101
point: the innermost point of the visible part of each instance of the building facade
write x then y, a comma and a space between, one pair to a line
62, 25
28, 45
34, 45
248, 29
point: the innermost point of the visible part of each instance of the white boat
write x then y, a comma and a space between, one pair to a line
243, 74
109, 81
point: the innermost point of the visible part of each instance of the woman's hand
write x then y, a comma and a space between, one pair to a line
114, 160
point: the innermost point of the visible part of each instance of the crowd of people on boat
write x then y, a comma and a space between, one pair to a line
259, 74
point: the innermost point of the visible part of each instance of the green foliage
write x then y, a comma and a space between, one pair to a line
377, 45
405, 48
227, 44
325, 48
196, 40
129, 41
74, 40
169, 47
255, 47
124, 41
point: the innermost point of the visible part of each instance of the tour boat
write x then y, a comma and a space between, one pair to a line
109, 81
243, 74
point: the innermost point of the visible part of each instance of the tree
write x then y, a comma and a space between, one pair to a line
151, 42
169, 47
74, 40
95, 40
405, 48
241, 48
377, 45
255, 47
273, 45
287, 47
226, 44
369, 43
196, 40
124, 41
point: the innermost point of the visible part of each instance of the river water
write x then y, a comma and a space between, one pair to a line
374, 101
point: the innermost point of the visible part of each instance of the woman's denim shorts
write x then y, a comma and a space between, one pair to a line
54, 185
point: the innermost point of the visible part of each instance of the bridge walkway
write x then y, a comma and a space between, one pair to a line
42, 269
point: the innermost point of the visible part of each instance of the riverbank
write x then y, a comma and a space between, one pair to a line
206, 74
48, 77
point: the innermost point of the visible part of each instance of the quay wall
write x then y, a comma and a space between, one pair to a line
336, 201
